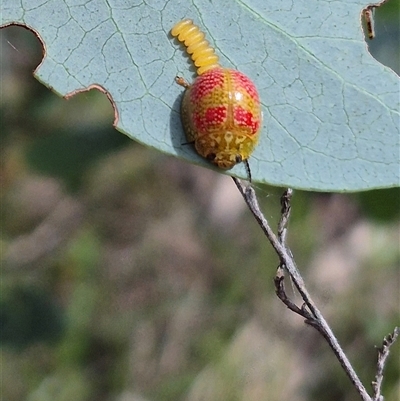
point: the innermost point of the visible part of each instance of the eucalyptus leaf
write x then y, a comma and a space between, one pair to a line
331, 111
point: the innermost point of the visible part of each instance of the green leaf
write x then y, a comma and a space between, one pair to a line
331, 111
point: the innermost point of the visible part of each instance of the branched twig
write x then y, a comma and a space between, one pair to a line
383, 353
281, 293
309, 311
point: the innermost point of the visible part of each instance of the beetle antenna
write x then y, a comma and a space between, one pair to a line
246, 163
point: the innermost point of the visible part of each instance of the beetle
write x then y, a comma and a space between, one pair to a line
220, 111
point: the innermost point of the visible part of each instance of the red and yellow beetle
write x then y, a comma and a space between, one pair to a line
220, 111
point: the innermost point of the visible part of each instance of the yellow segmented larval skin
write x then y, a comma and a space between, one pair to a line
220, 111
202, 54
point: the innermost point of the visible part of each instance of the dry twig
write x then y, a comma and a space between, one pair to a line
383, 353
308, 310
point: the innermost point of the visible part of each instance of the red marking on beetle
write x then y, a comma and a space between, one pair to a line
215, 115
206, 84
246, 119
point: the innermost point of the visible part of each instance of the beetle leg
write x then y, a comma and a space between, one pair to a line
182, 82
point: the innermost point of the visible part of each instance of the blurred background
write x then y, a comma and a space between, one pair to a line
128, 275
